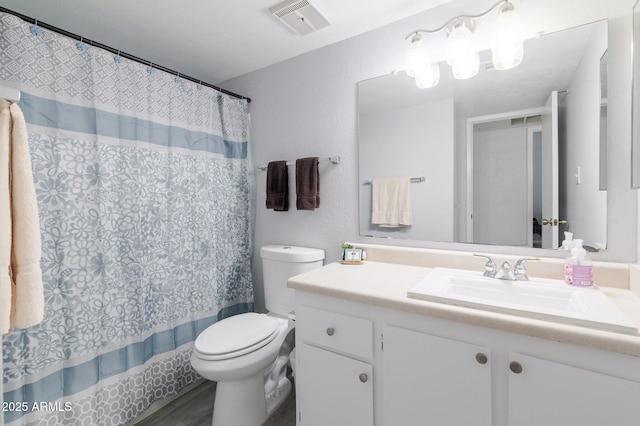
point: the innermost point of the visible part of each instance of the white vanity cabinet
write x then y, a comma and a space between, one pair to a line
433, 380
334, 354
451, 383
543, 392
432, 371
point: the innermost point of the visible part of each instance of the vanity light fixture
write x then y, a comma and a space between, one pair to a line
462, 55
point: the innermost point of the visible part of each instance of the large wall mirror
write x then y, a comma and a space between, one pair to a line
510, 158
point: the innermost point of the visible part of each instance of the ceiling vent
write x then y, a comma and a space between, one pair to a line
526, 121
301, 16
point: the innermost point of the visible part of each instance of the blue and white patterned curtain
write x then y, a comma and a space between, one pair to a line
144, 192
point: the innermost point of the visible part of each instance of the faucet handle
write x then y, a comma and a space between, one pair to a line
489, 267
520, 271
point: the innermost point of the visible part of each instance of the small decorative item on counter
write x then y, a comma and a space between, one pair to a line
578, 268
351, 255
344, 247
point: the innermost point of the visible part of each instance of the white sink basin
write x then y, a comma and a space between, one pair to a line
538, 298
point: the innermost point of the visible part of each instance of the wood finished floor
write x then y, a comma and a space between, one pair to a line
195, 408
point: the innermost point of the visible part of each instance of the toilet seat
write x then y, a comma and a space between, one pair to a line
235, 336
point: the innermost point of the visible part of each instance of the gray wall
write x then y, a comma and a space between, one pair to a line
586, 204
415, 141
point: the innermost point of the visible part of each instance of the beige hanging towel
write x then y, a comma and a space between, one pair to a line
391, 202
21, 295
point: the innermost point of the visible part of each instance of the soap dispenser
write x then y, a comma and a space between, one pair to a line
567, 243
578, 268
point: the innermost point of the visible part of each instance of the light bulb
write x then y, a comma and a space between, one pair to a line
466, 67
428, 76
426, 73
508, 46
461, 52
417, 56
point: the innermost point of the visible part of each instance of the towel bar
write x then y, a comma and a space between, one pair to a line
333, 160
413, 180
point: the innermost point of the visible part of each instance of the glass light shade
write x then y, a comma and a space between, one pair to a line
461, 53
508, 46
428, 76
466, 67
417, 57
459, 42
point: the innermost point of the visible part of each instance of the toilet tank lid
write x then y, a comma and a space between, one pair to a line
292, 254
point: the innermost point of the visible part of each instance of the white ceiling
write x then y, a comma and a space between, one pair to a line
211, 40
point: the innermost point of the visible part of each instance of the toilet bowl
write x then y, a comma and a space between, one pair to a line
247, 354
240, 366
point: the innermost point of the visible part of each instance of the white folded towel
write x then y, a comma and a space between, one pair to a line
391, 202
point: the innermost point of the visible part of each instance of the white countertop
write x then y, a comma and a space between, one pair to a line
386, 285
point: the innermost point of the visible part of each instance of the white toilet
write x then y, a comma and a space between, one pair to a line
245, 353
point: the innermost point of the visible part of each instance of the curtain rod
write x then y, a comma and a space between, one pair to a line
118, 52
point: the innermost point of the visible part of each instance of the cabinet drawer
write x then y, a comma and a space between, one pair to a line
343, 333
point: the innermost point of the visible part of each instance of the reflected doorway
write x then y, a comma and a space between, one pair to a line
513, 178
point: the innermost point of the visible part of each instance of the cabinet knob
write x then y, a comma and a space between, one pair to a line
330, 331
363, 377
481, 358
515, 367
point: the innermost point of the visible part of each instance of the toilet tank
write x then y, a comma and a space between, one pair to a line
279, 263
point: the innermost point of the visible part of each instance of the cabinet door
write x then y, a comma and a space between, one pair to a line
549, 393
430, 380
333, 389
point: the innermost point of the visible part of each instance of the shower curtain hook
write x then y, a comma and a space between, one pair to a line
200, 85
150, 68
35, 29
118, 58
80, 45
178, 80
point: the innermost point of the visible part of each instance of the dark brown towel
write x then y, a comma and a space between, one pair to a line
278, 186
307, 183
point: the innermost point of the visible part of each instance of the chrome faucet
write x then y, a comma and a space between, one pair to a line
506, 272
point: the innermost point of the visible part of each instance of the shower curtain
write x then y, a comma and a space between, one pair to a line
144, 194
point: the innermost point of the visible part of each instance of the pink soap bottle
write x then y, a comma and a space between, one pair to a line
578, 268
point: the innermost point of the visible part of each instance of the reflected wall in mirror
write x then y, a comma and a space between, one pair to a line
635, 143
510, 158
604, 105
